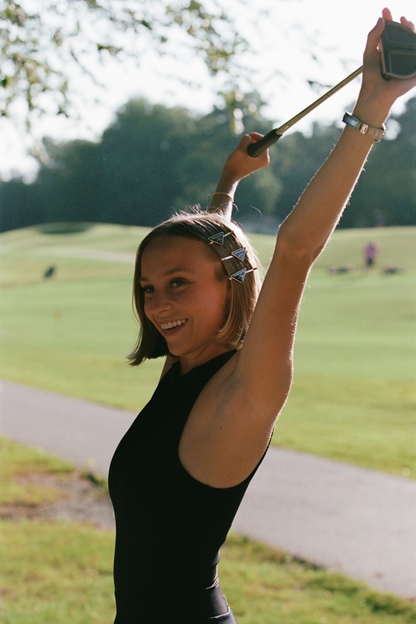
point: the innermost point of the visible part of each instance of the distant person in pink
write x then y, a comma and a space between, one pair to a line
370, 253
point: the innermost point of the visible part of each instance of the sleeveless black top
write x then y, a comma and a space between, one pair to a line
169, 526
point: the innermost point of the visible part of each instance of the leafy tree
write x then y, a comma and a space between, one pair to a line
393, 188
386, 191
153, 160
139, 156
19, 205
210, 146
128, 177
41, 41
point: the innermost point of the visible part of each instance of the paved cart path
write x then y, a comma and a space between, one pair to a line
357, 521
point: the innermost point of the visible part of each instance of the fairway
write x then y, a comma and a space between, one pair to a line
354, 392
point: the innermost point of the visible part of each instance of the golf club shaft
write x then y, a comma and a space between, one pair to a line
254, 149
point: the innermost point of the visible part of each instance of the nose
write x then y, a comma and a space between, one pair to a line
158, 303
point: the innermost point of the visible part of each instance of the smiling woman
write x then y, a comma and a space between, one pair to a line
186, 304
179, 474
182, 248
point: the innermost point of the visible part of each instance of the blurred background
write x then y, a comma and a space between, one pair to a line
98, 98
115, 113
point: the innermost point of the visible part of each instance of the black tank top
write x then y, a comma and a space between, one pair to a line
169, 526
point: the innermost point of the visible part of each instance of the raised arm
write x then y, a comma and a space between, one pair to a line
237, 167
318, 211
304, 233
237, 410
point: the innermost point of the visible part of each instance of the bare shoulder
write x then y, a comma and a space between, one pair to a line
223, 440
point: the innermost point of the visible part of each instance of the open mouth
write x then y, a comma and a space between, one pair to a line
173, 324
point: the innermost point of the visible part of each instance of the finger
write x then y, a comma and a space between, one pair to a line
247, 139
264, 158
407, 23
255, 136
387, 15
374, 37
243, 143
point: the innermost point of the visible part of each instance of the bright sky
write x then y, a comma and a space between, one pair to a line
281, 41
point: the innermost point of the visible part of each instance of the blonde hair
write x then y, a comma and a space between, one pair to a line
201, 225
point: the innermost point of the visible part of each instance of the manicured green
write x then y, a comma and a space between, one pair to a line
354, 393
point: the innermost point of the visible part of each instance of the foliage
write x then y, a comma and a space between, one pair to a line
42, 42
389, 184
149, 161
152, 160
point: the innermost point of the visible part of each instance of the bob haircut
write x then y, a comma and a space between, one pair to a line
201, 225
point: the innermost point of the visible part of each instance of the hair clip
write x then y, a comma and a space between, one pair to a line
218, 238
240, 254
241, 274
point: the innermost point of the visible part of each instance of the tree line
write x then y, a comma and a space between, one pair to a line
153, 160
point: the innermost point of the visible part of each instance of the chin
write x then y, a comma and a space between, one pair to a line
175, 351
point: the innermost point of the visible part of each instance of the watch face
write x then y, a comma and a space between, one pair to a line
352, 121
398, 59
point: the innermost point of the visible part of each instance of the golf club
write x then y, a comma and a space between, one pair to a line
398, 60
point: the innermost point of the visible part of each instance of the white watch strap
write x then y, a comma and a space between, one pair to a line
356, 124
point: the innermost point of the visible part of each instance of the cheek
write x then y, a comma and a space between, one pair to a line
217, 302
149, 312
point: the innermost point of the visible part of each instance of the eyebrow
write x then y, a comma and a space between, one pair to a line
170, 272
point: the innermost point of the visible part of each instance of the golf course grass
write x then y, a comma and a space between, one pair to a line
354, 392
60, 571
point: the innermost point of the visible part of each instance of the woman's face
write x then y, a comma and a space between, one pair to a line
185, 297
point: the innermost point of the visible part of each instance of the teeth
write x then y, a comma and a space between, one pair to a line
172, 324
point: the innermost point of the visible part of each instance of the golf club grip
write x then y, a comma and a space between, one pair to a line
255, 149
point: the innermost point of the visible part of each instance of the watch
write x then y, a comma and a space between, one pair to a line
356, 124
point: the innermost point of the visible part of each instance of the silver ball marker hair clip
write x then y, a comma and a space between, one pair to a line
218, 238
240, 254
241, 274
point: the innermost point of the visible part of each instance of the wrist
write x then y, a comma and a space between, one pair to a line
372, 110
375, 119
221, 197
374, 133
227, 183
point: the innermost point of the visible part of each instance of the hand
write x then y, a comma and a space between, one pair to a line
239, 164
377, 95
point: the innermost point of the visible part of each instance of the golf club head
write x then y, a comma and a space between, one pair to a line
398, 51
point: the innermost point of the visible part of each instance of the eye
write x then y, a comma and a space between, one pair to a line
147, 289
177, 282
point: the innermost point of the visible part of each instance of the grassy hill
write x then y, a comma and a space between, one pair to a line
354, 392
